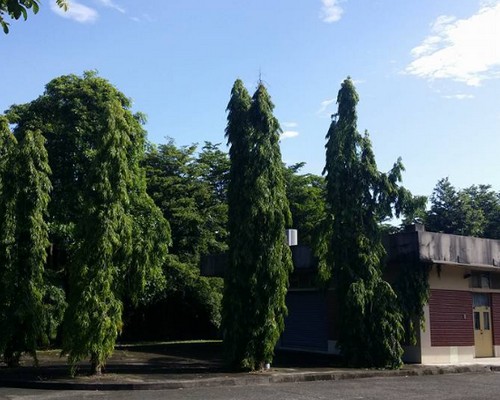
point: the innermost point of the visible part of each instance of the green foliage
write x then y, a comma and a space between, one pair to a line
108, 239
189, 307
488, 201
306, 196
24, 199
190, 187
358, 198
259, 260
16, 9
191, 192
386, 328
8, 194
474, 211
452, 211
202, 294
413, 291
94, 313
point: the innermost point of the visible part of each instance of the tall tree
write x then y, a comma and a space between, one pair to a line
108, 239
191, 192
453, 211
16, 9
189, 185
8, 195
484, 198
94, 314
358, 198
25, 210
259, 259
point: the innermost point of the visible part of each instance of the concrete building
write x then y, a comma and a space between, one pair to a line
462, 318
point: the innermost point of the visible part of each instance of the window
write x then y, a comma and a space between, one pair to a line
486, 320
480, 280
480, 300
477, 321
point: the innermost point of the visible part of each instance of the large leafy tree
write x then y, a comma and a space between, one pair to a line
452, 211
191, 191
484, 198
189, 185
16, 9
474, 211
108, 239
358, 198
24, 201
259, 260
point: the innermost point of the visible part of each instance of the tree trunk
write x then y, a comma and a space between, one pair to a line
96, 367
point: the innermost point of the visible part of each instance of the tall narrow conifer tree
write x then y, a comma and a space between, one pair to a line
358, 196
236, 300
260, 260
23, 284
8, 190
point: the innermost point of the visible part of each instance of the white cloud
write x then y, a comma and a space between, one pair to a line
289, 134
76, 11
324, 105
143, 17
290, 124
463, 50
331, 11
460, 96
112, 4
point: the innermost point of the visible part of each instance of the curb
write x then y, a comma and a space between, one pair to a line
250, 379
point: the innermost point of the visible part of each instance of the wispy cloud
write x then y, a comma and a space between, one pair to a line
76, 11
111, 4
289, 134
144, 17
324, 105
331, 11
460, 96
463, 50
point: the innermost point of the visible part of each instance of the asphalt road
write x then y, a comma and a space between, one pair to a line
435, 387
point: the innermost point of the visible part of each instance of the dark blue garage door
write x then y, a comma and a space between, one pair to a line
306, 325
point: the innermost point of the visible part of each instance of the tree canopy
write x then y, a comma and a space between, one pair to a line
358, 198
189, 185
191, 190
473, 211
259, 259
16, 9
109, 240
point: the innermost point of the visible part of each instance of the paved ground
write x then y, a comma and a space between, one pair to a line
189, 365
467, 386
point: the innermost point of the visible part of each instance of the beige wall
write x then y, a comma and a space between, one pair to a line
450, 278
453, 277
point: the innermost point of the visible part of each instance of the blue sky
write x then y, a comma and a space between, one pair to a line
427, 72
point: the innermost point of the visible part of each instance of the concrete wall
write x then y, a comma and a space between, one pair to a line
459, 249
430, 247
